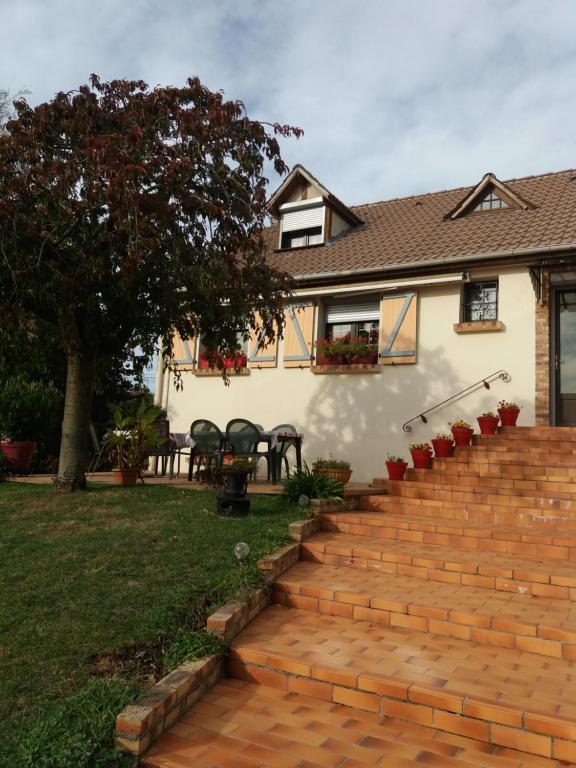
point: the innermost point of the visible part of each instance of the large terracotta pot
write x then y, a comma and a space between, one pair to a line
396, 469
421, 459
488, 424
462, 435
442, 447
341, 475
127, 476
508, 416
18, 455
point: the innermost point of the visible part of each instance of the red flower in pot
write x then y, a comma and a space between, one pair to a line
396, 467
488, 423
421, 455
461, 432
442, 445
508, 413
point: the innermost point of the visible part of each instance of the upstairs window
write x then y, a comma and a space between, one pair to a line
491, 202
302, 223
480, 301
301, 237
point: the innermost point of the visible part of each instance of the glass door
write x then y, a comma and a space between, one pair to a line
564, 363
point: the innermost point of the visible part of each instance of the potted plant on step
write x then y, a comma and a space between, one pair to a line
131, 440
442, 443
421, 455
396, 467
29, 412
508, 412
488, 423
461, 432
336, 469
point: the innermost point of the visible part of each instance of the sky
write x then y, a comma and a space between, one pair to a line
395, 97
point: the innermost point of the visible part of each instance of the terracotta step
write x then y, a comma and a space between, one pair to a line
498, 454
464, 465
555, 579
492, 484
243, 725
498, 695
509, 620
472, 512
538, 433
467, 511
406, 525
494, 497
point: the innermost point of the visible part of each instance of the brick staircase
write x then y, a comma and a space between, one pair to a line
435, 625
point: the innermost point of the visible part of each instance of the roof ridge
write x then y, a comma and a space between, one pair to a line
459, 189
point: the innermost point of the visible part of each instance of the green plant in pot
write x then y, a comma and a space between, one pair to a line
336, 469
29, 410
131, 439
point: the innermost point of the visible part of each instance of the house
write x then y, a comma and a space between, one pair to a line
454, 286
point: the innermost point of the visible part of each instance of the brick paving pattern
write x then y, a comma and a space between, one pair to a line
436, 625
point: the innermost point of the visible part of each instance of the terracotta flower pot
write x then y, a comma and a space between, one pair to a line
488, 424
421, 459
462, 435
442, 447
18, 455
127, 476
341, 475
396, 469
508, 416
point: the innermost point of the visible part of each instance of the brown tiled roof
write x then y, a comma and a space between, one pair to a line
413, 230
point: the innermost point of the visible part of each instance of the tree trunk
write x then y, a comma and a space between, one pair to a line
80, 379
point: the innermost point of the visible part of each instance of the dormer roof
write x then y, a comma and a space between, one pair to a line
488, 184
300, 178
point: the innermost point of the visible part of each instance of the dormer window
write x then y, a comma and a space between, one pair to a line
491, 202
302, 223
302, 237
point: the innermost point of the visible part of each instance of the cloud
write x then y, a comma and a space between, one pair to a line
395, 97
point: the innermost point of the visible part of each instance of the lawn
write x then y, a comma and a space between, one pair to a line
103, 584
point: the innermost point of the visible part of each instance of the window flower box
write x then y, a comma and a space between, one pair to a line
346, 351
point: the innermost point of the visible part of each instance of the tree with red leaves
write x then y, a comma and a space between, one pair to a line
128, 215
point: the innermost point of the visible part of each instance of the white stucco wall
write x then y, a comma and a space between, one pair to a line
359, 417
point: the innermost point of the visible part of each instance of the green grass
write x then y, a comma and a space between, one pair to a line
83, 577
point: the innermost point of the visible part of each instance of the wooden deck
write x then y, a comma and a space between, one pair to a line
259, 486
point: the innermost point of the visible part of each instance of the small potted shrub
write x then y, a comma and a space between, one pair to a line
131, 439
442, 443
461, 432
396, 467
488, 423
336, 469
421, 455
508, 413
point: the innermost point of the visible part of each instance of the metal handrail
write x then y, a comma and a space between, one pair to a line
485, 382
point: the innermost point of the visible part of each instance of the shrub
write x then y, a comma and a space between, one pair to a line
395, 459
2, 467
303, 482
29, 410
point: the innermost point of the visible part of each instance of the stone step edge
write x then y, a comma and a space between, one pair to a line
484, 629
451, 711
442, 477
536, 583
420, 531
